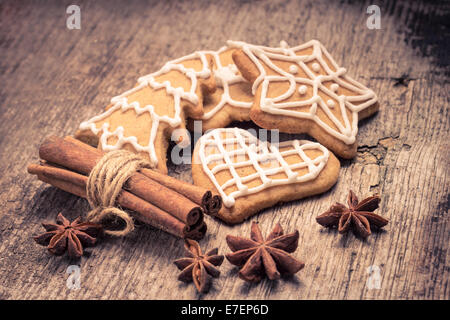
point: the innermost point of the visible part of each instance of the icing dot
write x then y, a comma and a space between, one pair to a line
334, 87
302, 89
330, 103
316, 67
293, 69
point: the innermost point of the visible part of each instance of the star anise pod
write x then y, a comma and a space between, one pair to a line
258, 257
71, 236
358, 216
199, 267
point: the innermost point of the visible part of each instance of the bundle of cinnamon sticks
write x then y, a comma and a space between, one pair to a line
164, 202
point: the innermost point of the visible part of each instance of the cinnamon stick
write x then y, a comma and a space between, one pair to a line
201, 196
75, 183
83, 159
209, 202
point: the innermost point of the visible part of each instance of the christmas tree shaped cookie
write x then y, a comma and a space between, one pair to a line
143, 119
303, 90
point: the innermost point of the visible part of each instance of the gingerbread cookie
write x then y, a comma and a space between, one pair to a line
233, 97
251, 175
303, 90
142, 119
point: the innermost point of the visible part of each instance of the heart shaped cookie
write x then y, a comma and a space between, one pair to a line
251, 175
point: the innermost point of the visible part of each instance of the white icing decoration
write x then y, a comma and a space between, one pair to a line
293, 69
334, 87
316, 67
346, 131
121, 103
258, 152
302, 89
330, 103
284, 44
225, 76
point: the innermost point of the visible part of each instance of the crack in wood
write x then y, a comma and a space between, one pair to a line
402, 80
375, 154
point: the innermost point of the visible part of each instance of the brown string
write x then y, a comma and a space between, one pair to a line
105, 183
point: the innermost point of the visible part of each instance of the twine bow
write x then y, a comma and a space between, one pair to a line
105, 183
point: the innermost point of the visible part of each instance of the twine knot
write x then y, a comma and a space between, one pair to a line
105, 183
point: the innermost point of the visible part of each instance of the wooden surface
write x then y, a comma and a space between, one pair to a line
52, 78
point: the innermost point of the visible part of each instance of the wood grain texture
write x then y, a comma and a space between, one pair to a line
53, 78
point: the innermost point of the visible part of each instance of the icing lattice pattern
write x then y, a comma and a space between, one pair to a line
362, 99
246, 150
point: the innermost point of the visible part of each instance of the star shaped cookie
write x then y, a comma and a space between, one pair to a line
303, 90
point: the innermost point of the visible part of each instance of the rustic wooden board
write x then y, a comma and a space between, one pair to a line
52, 78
